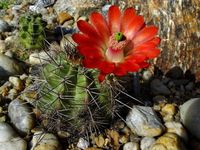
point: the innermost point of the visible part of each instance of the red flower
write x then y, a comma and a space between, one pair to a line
118, 44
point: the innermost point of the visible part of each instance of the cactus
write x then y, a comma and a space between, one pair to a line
31, 31
74, 95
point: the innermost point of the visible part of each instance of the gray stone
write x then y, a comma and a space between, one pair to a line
82, 143
190, 116
2, 46
131, 146
4, 27
41, 4
144, 122
44, 141
40, 58
21, 116
9, 140
158, 88
9, 66
73, 7
146, 143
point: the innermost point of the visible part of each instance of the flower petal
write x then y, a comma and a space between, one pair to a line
90, 52
126, 66
136, 24
127, 17
82, 39
88, 29
145, 34
100, 25
91, 63
106, 67
151, 53
101, 77
114, 17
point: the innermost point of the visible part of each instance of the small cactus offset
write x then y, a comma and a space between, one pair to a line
31, 31
74, 95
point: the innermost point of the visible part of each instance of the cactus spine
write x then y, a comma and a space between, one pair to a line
73, 93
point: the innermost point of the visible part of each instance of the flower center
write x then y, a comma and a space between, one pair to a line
115, 51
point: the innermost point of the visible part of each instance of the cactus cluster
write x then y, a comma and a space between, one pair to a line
73, 95
31, 31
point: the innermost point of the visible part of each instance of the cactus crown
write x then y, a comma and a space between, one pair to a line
31, 31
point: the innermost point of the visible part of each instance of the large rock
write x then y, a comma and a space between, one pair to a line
9, 66
9, 140
190, 116
21, 116
178, 29
144, 122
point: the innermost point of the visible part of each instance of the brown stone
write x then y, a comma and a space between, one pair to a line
64, 16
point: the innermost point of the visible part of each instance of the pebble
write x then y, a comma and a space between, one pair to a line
21, 116
169, 141
177, 127
4, 27
9, 53
63, 17
82, 143
2, 46
146, 143
158, 88
175, 73
16, 82
131, 146
40, 4
45, 141
40, 58
168, 111
144, 122
9, 66
9, 140
190, 117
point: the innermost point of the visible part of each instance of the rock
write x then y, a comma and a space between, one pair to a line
77, 6
177, 127
45, 141
158, 88
9, 140
190, 86
175, 73
190, 116
82, 143
12, 94
131, 146
146, 143
144, 122
9, 66
2, 46
4, 27
16, 82
21, 116
64, 16
9, 53
168, 111
40, 4
40, 58
169, 141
